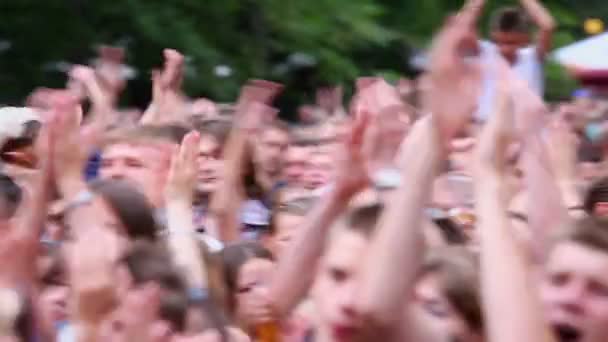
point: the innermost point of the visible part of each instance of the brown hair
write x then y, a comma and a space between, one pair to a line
458, 272
234, 257
510, 19
589, 231
218, 129
363, 219
298, 207
169, 133
151, 262
131, 207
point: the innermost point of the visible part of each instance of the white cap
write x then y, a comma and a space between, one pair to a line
13, 120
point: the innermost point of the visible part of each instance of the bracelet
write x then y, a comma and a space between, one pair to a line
84, 197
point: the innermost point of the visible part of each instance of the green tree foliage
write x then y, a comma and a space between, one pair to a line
301, 43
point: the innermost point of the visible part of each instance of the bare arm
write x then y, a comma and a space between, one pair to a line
546, 208
182, 240
227, 200
399, 247
545, 22
295, 272
251, 111
512, 309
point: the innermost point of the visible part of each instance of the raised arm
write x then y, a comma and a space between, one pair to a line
168, 104
512, 309
227, 201
546, 207
182, 240
398, 246
296, 269
546, 25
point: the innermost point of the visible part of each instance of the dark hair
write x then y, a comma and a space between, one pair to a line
364, 219
597, 193
458, 271
510, 19
218, 129
450, 231
11, 195
297, 207
131, 207
150, 262
234, 257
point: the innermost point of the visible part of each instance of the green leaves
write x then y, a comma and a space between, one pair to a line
253, 38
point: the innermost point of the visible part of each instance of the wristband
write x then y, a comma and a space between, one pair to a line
197, 294
84, 197
594, 132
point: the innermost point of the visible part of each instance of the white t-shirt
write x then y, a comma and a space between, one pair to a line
528, 67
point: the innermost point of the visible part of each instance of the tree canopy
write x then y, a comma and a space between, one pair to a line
301, 43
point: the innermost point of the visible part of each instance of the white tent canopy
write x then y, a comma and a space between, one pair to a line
590, 54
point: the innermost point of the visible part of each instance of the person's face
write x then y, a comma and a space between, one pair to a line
209, 165
144, 166
509, 42
439, 313
319, 171
575, 292
253, 280
286, 225
106, 218
295, 164
271, 148
334, 290
53, 304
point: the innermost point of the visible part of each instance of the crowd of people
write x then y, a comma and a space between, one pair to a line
455, 207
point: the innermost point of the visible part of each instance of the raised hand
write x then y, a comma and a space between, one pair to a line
184, 169
454, 79
253, 108
495, 139
173, 72
352, 173
73, 148
109, 69
261, 91
561, 145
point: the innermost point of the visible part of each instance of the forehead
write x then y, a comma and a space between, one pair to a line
255, 269
133, 150
576, 258
345, 249
297, 152
208, 142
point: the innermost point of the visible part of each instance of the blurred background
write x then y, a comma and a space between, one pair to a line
302, 43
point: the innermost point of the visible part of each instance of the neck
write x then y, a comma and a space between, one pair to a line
266, 180
201, 199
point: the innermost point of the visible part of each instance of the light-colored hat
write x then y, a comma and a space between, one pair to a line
13, 120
